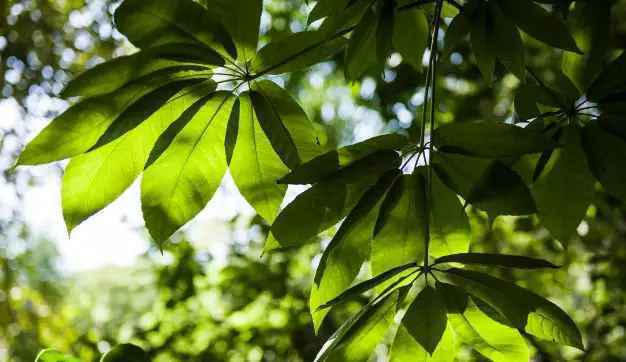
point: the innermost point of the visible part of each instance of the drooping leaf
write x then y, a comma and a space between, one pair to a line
78, 129
126, 353
522, 308
322, 166
458, 29
566, 174
349, 248
410, 36
114, 74
490, 139
508, 261
426, 320
324, 8
361, 54
399, 234
242, 27
148, 24
327, 202
186, 175
95, 179
481, 30
286, 125
255, 166
51, 355
605, 153
406, 349
384, 32
296, 52
611, 81
472, 327
359, 341
537, 22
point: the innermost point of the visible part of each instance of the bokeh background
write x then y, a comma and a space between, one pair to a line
212, 296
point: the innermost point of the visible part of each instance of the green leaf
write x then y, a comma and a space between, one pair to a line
325, 165
611, 81
177, 186
346, 19
566, 174
506, 42
384, 32
449, 225
114, 74
591, 27
349, 248
361, 54
458, 30
51, 355
488, 185
481, 30
406, 349
508, 261
365, 286
472, 327
242, 19
255, 166
410, 36
95, 179
324, 8
126, 353
288, 128
358, 342
522, 308
399, 234
490, 139
296, 52
152, 23
426, 320
605, 152
327, 202
78, 129
537, 22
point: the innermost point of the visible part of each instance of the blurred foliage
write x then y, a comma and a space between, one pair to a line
185, 305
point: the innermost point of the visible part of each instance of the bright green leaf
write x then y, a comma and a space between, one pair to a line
410, 36
406, 349
361, 54
51, 355
244, 26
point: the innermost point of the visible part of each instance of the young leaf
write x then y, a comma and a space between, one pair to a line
255, 166
426, 320
296, 52
285, 124
327, 202
51, 355
78, 129
325, 165
95, 179
114, 74
177, 186
361, 54
508, 261
537, 22
566, 174
410, 36
359, 341
349, 248
406, 349
522, 308
605, 152
125, 353
244, 26
472, 327
158, 22
399, 234
490, 139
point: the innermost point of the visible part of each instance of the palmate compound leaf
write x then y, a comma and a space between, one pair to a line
152, 23
350, 247
426, 320
521, 308
327, 202
566, 174
116, 73
80, 127
182, 179
318, 168
508, 261
51, 355
125, 353
490, 139
93, 180
475, 329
